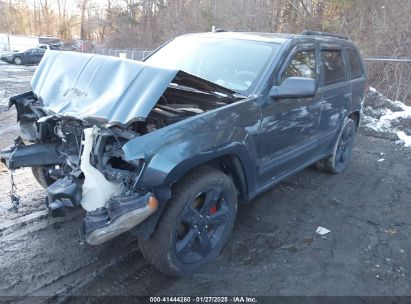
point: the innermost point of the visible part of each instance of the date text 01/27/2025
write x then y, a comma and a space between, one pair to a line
199, 299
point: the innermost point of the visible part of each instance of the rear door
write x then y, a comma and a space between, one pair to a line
337, 93
357, 76
289, 128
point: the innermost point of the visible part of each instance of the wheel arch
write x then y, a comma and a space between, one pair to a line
355, 116
231, 163
234, 164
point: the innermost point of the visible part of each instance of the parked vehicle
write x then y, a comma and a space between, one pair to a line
48, 47
4, 54
18, 43
31, 56
167, 148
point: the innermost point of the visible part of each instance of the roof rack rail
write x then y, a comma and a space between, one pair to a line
325, 34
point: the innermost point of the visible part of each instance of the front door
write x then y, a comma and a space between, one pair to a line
39, 55
289, 129
29, 56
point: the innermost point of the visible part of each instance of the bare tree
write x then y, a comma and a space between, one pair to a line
379, 27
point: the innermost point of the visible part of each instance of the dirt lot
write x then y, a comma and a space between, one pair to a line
273, 250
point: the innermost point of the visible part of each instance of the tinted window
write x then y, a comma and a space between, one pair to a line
333, 67
355, 63
302, 65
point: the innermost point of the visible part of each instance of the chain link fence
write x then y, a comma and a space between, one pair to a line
133, 54
390, 74
140, 54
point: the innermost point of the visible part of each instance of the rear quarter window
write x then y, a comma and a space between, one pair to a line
333, 67
355, 63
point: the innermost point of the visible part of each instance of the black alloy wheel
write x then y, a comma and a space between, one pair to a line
202, 224
195, 225
344, 147
342, 151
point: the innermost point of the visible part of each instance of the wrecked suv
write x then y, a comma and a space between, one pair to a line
166, 148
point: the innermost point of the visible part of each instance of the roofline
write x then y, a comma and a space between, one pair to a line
274, 37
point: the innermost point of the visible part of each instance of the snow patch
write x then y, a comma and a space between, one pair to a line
322, 231
386, 118
4, 101
404, 139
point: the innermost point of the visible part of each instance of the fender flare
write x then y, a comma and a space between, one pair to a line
247, 165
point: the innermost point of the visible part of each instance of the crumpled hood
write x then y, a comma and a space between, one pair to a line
106, 89
103, 88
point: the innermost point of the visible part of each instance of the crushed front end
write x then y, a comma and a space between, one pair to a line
87, 165
75, 123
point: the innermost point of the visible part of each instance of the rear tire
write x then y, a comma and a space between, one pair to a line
41, 174
342, 151
195, 225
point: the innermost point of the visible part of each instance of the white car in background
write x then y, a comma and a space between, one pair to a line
47, 46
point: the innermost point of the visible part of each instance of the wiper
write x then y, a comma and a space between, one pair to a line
239, 96
183, 87
215, 93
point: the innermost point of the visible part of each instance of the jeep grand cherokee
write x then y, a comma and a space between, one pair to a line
167, 147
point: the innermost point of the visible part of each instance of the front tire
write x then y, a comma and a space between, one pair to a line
41, 174
342, 151
17, 61
195, 225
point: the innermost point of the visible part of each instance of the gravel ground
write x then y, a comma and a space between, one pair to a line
273, 250
14, 80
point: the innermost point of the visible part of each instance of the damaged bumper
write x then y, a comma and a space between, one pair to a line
77, 128
123, 214
112, 206
120, 214
31, 155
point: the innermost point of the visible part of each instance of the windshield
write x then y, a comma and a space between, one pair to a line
231, 63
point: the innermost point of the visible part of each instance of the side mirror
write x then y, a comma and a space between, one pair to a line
294, 87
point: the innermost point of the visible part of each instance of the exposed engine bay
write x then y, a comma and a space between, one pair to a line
68, 136
84, 156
